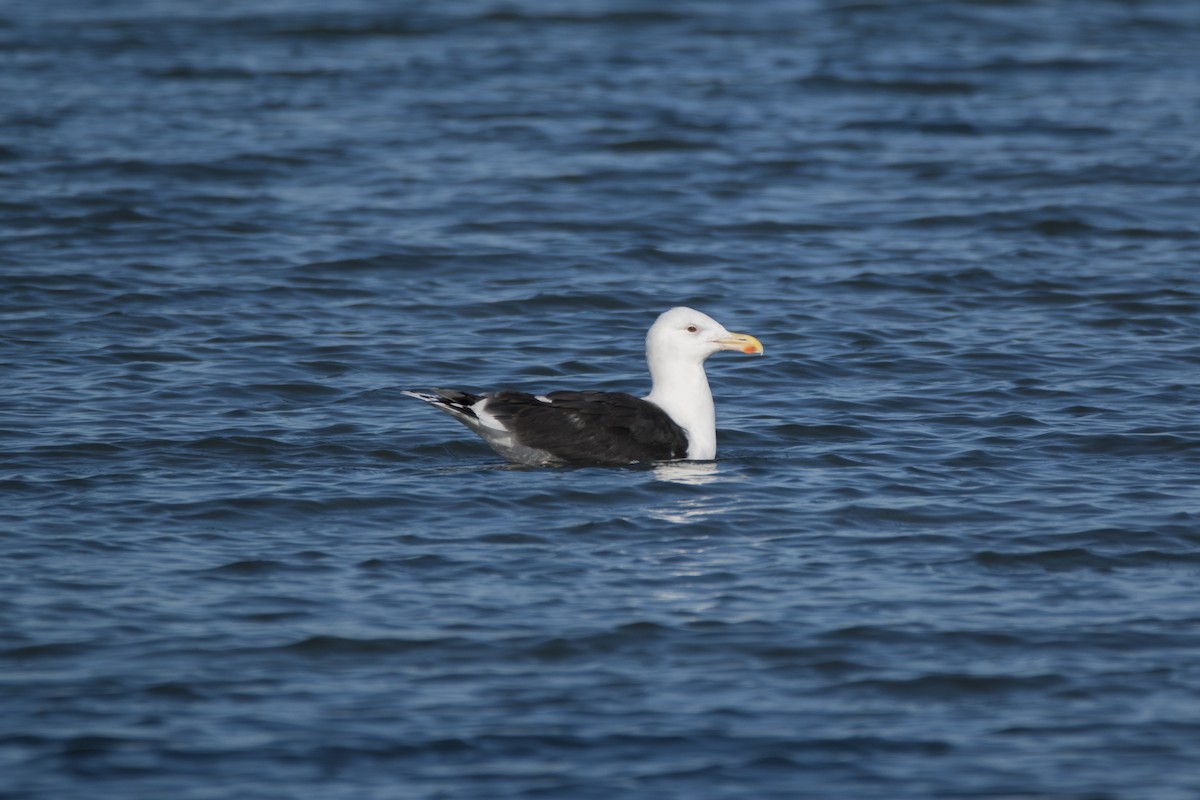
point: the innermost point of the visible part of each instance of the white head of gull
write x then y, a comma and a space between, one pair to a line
677, 346
675, 421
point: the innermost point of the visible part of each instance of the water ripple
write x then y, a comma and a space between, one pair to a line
948, 547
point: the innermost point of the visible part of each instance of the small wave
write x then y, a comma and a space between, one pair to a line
800, 432
295, 389
618, 17
957, 685
123, 354
1123, 445
330, 645
1079, 558
659, 144
250, 567
417, 563
81, 449
46, 650
239, 445
633, 635
839, 83
925, 514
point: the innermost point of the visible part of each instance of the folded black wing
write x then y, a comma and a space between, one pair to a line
606, 428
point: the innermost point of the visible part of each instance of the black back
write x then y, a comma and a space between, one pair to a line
607, 428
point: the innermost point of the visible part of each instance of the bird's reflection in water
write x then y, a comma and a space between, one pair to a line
692, 473
696, 508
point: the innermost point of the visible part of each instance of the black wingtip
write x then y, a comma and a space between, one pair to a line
457, 397
452, 400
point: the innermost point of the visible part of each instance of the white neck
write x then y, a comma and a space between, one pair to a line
680, 388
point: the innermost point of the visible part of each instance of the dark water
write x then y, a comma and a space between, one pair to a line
951, 546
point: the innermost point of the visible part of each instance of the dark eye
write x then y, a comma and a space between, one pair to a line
692, 329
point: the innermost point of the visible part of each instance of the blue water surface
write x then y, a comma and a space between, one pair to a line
950, 547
